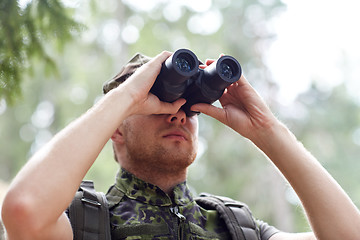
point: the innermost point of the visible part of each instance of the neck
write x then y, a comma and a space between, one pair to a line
164, 179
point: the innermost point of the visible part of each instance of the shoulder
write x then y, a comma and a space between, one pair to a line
237, 216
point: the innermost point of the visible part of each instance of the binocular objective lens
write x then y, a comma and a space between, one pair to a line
183, 64
226, 70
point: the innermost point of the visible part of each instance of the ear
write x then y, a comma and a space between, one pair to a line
117, 136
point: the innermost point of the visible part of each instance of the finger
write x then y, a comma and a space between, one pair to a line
243, 81
171, 108
157, 61
210, 110
149, 71
202, 66
161, 57
209, 61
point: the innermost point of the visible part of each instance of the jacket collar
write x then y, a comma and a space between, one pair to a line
148, 193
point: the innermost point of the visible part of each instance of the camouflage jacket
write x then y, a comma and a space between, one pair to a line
140, 210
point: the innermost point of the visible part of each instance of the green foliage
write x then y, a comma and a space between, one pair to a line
25, 34
326, 122
329, 128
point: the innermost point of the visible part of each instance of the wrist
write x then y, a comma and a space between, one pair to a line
120, 103
274, 138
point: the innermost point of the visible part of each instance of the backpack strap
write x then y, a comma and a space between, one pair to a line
236, 215
89, 214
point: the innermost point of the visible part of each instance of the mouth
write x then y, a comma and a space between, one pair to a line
176, 135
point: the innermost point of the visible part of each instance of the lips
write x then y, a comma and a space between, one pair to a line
177, 135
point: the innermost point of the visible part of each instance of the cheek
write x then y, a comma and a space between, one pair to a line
129, 131
135, 133
194, 126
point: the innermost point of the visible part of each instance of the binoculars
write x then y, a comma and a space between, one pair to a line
181, 77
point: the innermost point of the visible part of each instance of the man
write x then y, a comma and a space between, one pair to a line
155, 142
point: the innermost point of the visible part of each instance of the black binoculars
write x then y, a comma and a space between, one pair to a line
181, 77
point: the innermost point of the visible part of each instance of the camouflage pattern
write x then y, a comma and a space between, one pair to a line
126, 71
139, 210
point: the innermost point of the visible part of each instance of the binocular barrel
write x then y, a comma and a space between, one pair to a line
172, 81
181, 77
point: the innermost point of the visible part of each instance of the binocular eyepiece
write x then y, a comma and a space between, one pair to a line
181, 77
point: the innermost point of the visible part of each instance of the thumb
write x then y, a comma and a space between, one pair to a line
210, 110
171, 108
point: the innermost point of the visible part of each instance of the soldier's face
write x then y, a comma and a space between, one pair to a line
168, 140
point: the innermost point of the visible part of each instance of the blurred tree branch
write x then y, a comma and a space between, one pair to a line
24, 33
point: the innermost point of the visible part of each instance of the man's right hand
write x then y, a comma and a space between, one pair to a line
137, 88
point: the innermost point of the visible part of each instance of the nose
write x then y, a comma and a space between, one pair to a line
177, 118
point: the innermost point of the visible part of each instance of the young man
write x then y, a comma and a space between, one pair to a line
155, 142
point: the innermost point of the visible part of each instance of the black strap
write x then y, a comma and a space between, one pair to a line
89, 214
236, 215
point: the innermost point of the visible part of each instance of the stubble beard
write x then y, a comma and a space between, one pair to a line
156, 158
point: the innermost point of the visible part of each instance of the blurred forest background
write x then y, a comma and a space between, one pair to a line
55, 56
